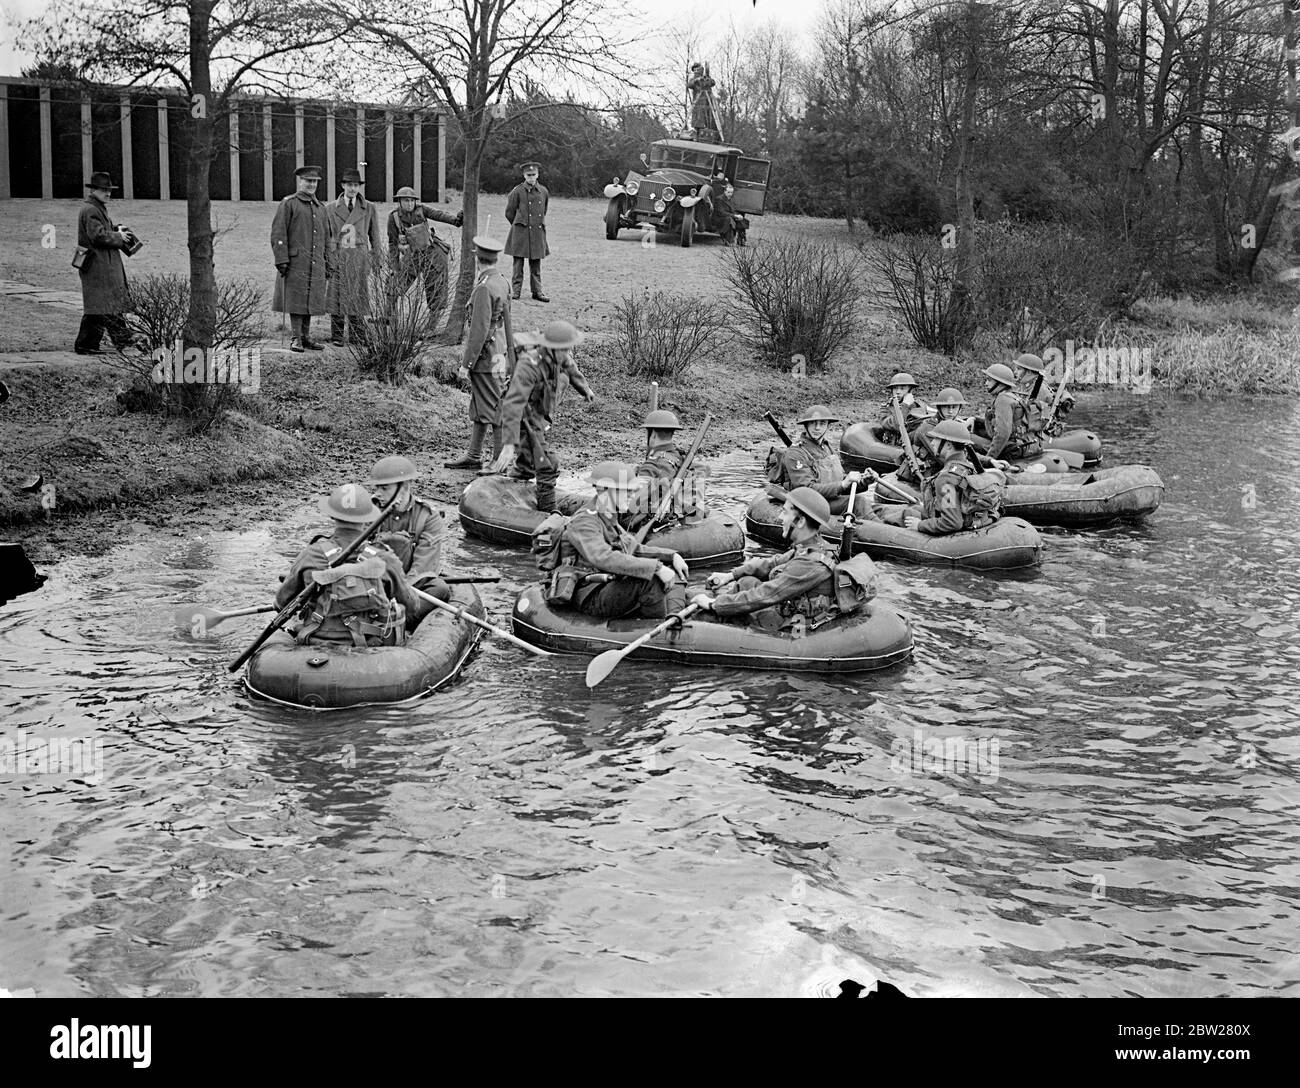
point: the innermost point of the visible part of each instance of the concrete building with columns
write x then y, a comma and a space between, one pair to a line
53, 135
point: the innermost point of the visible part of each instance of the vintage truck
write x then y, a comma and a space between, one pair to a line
676, 191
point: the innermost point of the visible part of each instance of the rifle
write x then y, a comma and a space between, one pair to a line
1056, 400
666, 504
313, 587
901, 424
776, 426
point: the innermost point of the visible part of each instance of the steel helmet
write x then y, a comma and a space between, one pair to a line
1030, 362
901, 378
391, 470
405, 191
560, 334
818, 413
949, 396
1000, 372
616, 475
949, 430
661, 420
807, 501
351, 503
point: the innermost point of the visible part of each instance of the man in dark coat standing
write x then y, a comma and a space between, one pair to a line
358, 250
104, 294
526, 213
302, 245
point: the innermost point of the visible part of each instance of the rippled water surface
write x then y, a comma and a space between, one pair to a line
1110, 807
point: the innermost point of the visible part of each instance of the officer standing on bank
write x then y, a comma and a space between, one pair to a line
526, 212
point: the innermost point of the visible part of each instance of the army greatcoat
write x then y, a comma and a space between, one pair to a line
302, 236
526, 212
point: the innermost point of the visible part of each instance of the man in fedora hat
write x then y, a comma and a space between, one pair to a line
104, 293
415, 250
489, 351
526, 213
302, 245
647, 581
364, 602
357, 252
529, 403
769, 592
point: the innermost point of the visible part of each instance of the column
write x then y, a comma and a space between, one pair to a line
234, 150
47, 147
128, 170
361, 140
299, 141
388, 155
87, 141
419, 154
268, 180
442, 157
330, 186
4, 142
164, 154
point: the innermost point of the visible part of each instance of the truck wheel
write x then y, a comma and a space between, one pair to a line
611, 219
688, 228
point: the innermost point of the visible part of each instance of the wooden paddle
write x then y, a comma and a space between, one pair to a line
537, 651
607, 662
906, 495
901, 424
199, 619
846, 534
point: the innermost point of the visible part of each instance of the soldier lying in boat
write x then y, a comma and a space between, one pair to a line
797, 588
366, 601
413, 528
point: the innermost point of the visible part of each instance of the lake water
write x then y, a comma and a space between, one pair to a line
1085, 783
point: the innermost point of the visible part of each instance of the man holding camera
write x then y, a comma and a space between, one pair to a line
104, 293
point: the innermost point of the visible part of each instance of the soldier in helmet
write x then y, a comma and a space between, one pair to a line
770, 592
647, 581
1030, 378
416, 251
955, 498
947, 405
527, 407
414, 528
366, 601
662, 460
1007, 420
902, 388
488, 349
812, 462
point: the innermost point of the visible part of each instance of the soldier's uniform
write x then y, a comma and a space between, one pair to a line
416, 535
596, 543
913, 416
372, 561
410, 258
526, 213
303, 244
771, 591
487, 324
815, 464
1008, 424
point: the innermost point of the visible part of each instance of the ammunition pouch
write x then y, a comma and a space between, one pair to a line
855, 584
563, 584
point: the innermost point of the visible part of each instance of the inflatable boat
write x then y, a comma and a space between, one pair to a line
1007, 544
875, 638
861, 447
504, 511
1074, 499
331, 676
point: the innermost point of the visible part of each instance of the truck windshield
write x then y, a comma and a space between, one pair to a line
679, 157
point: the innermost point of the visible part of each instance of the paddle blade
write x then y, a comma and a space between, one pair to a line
602, 665
196, 620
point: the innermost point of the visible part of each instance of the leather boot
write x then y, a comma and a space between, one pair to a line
473, 456
546, 497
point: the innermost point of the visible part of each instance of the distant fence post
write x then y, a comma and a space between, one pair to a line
87, 140
47, 148
234, 149
4, 141
164, 154
128, 169
268, 179
417, 140
388, 155
299, 143
331, 145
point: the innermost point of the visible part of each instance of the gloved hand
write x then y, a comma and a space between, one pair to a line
460, 219
283, 269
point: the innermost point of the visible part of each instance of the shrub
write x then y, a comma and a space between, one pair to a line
796, 297
917, 275
160, 305
660, 335
401, 324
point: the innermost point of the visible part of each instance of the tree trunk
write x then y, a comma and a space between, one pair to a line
201, 322
469, 206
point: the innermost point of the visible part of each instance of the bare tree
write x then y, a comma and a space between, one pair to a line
471, 54
212, 50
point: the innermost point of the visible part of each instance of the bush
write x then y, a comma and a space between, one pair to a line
160, 305
797, 297
660, 335
918, 275
397, 333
